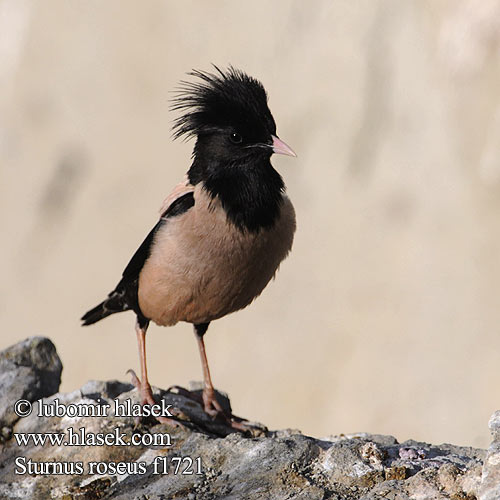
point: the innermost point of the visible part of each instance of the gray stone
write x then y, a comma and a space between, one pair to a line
278, 465
216, 463
490, 487
28, 370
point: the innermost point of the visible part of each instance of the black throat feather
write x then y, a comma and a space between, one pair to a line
251, 191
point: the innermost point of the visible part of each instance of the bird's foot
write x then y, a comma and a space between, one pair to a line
210, 404
213, 408
147, 398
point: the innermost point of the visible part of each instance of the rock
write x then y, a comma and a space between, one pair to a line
204, 459
490, 487
222, 464
28, 370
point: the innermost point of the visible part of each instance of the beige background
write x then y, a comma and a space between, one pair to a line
386, 316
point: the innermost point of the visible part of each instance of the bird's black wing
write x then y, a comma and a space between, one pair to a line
140, 256
124, 296
178, 207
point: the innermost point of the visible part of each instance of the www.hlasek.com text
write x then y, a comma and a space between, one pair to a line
82, 437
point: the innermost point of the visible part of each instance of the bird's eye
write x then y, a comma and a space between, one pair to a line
236, 138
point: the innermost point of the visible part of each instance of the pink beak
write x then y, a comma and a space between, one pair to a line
281, 148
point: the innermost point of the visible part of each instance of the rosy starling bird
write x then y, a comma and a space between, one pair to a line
223, 231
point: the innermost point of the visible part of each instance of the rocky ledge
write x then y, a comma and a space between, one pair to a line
94, 448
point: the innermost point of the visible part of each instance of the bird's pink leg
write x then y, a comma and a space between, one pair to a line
210, 404
143, 385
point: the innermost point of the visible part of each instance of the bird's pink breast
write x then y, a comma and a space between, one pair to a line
202, 267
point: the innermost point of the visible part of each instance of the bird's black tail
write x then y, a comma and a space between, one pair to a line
96, 314
115, 302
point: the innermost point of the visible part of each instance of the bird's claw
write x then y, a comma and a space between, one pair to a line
135, 379
147, 398
213, 408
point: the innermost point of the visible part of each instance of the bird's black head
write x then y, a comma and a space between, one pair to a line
228, 109
228, 114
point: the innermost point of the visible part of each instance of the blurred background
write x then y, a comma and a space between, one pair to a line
386, 316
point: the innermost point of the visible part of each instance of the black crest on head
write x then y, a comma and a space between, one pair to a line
220, 100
